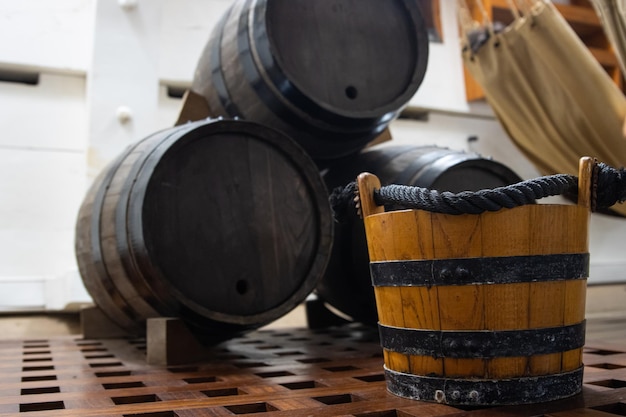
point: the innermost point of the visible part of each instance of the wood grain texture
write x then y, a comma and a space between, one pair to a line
420, 304
460, 307
506, 233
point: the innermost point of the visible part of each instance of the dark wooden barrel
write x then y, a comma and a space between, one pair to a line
223, 223
332, 75
346, 284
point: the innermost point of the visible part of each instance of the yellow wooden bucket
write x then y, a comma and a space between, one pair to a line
483, 309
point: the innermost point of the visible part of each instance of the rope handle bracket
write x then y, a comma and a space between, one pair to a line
367, 184
587, 182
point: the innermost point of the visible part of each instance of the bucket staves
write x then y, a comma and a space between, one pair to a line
483, 309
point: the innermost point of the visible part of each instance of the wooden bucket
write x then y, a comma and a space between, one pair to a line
223, 223
331, 75
346, 284
481, 309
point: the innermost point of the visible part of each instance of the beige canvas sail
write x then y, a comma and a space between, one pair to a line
549, 93
612, 14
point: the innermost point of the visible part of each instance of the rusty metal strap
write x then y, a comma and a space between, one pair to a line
482, 343
475, 392
475, 271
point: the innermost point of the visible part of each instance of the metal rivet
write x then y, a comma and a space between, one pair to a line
440, 396
469, 345
474, 395
445, 274
462, 273
450, 344
455, 395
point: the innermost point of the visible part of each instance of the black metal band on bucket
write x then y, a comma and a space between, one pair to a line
532, 389
489, 270
484, 343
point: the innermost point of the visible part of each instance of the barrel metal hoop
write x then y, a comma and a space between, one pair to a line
474, 392
425, 163
246, 59
482, 343
217, 76
487, 270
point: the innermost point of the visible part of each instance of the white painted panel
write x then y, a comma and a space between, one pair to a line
50, 115
41, 193
46, 34
23, 293
168, 109
443, 87
42, 292
75, 291
27, 252
607, 248
185, 29
41, 190
123, 75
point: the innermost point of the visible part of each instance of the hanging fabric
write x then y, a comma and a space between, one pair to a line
550, 94
612, 14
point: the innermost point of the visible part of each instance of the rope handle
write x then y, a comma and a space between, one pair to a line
600, 186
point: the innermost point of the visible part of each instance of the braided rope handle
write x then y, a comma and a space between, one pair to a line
601, 186
468, 202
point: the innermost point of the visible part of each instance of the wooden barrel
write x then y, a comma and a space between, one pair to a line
331, 75
480, 309
223, 223
346, 284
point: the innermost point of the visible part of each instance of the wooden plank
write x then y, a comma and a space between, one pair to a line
419, 303
506, 233
571, 13
460, 307
547, 299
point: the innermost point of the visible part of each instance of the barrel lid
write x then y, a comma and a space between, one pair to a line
235, 220
357, 58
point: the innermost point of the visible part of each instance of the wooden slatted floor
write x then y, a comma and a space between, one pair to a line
283, 372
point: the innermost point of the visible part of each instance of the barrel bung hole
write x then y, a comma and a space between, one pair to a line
351, 92
241, 286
